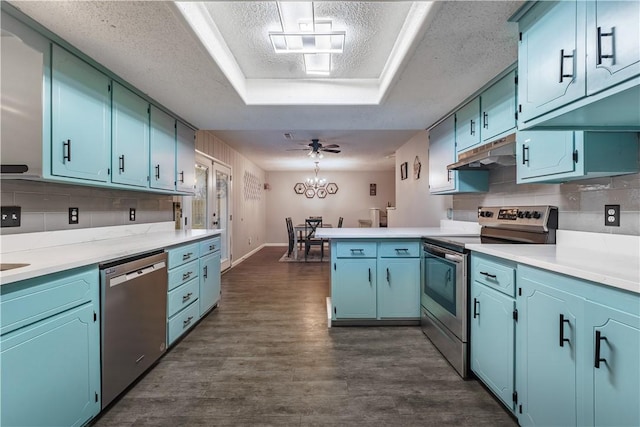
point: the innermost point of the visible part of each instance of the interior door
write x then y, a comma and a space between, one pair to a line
211, 203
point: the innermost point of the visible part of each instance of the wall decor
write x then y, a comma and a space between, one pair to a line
299, 188
252, 186
332, 188
404, 170
310, 192
321, 193
416, 168
372, 189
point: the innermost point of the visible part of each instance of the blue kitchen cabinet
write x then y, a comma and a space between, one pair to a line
612, 366
130, 143
183, 290
492, 340
209, 282
492, 320
499, 108
80, 118
50, 350
558, 156
579, 66
398, 288
468, 125
442, 152
548, 341
185, 158
163, 150
613, 43
353, 288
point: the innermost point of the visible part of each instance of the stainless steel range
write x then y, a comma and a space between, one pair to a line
445, 273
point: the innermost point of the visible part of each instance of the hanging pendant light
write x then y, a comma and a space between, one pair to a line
316, 182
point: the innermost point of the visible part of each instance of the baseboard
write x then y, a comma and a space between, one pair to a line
245, 257
276, 244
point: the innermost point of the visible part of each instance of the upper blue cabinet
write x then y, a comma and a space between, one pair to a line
80, 118
130, 144
163, 149
185, 157
579, 65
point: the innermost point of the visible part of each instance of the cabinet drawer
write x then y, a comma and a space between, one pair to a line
399, 249
182, 322
182, 255
356, 249
182, 296
210, 245
497, 275
31, 300
183, 274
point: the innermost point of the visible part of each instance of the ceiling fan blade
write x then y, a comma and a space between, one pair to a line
329, 151
331, 146
297, 149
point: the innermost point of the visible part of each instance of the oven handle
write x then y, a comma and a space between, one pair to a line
443, 253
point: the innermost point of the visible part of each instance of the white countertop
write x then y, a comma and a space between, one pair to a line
46, 258
612, 260
447, 228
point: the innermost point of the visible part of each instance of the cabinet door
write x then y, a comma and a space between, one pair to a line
492, 340
613, 356
468, 125
130, 145
81, 118
441, 154
613, 50
499, 108
185, 158
209, 282
353, 288
398, 288
551, 57
51, 371
547, 342
544, 153
163, 150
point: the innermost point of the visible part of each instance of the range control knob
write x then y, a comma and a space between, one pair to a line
481, 213
488, 214
536, 214
527, 214
520, 214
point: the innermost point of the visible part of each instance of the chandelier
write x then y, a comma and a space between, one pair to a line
316, 182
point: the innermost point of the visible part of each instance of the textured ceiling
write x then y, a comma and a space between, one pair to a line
149, 44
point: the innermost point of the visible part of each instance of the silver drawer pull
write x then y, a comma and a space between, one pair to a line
187, 297
187, 256
185, 323
361, 251
185, 276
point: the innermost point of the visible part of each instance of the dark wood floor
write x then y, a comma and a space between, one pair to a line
266, 357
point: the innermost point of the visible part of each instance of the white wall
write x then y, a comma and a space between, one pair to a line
415, 207
352, 201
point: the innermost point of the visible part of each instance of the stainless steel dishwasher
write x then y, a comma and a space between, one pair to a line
134, 319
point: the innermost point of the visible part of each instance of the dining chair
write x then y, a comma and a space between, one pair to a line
310, 239
290, 234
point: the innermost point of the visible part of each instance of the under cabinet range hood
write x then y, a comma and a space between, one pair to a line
501, 152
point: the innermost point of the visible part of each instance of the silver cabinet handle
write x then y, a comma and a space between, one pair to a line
187, 297
186, 275
187, 256
185, 323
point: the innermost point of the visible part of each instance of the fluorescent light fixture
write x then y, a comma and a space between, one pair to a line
303, 42
318, 64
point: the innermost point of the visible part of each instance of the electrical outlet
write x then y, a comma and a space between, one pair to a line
74, 215
10, 216
132, 214
612, 215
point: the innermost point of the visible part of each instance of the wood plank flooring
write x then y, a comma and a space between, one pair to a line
266, 357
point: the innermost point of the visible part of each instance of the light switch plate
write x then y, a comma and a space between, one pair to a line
612, 215
10, 216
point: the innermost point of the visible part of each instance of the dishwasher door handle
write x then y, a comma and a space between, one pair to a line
124, 278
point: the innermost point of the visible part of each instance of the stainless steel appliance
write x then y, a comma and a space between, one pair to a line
134, 319
445, 273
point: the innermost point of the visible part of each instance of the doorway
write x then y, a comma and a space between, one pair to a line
211, 204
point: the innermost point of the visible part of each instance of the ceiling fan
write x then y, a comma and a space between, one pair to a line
316, 148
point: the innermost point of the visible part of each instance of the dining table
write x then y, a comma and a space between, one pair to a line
298, 230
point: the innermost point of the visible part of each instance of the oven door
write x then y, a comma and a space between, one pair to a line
444, 289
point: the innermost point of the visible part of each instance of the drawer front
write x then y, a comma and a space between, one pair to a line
496, 275
182, 255
182, 296
183, 274
29, 301
356, 249
182, 322
210, 245
399, 249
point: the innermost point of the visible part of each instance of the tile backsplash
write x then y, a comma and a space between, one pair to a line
580, 203
45, 206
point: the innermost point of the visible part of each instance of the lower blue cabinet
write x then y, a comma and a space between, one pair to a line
492, 340
209, 282
353, 288
397, 293
50, 369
